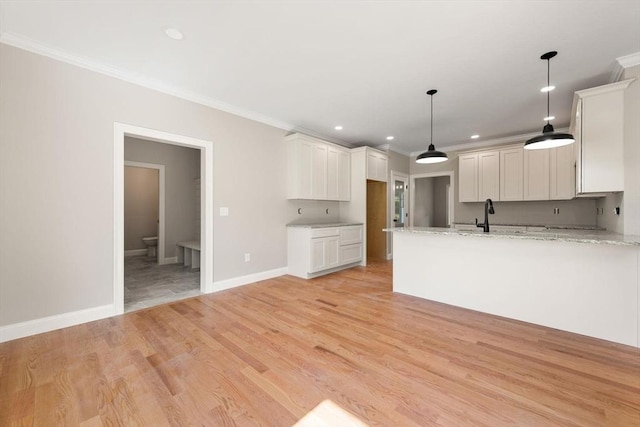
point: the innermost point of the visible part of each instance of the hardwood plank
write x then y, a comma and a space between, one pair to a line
268, 353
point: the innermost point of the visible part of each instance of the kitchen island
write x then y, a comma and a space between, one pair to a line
586, 282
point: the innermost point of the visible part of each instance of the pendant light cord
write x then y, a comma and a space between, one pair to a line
431, 137
548, 85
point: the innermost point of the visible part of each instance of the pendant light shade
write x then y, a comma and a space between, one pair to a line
431, 155
549, 138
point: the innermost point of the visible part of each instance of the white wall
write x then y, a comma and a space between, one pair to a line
182, 168
56, 183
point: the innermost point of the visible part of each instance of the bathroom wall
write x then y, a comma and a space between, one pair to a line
423, 203
140, 206
440, 208
182, 168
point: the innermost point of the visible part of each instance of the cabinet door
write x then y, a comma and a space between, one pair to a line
562, 173
305, 170
468, 178
489, 175
382, 168
350, 235
372, 166
324, 253
333, 174
376, 166
350, 253
602, 142
511, 174
536, 174
344, 176
319, 172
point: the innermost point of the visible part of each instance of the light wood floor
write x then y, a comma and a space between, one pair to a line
266, 354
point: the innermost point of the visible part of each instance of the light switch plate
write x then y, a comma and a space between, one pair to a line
224, 211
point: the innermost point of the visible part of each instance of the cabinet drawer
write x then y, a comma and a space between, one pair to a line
350, 235
324, 232
350, 253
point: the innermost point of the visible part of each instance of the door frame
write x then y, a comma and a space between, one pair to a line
120, 130
391, 206
412, 187
161, 201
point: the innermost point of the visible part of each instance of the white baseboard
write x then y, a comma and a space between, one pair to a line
170, 260
389, 257
221, 285
51, 323
59, 321
135, 252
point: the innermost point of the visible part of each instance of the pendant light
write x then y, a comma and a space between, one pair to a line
432, 155
549, 138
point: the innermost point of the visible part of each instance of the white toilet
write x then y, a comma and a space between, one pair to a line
152, 243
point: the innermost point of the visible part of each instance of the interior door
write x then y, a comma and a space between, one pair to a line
401, 213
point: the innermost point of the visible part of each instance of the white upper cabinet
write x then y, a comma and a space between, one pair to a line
317, 170
338, 174
511, 174
468, 178
479, 176
536, 174
562, 177
489, 175
377, 164
597, 124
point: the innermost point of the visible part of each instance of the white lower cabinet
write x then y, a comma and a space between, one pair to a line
315, 251
324, 253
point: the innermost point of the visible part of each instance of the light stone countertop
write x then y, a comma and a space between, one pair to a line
548, 227
577, 236
320, 225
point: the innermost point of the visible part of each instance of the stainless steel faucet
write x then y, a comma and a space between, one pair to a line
488, 209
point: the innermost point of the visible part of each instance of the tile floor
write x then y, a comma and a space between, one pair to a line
147, 284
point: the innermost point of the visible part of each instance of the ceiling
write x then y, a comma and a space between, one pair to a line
365, 65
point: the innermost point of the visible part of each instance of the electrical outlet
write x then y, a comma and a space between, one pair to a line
247, 257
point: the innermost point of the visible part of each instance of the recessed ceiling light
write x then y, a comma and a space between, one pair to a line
173, 33
338, 127
546, 119
389, 138
475, 136
547, 89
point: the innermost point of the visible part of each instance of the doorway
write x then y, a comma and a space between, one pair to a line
432, 200
206, 203
376, 220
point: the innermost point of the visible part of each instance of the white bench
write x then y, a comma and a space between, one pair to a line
189, 254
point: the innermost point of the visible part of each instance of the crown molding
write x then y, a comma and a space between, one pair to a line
489, 142
622, 63
388, 147
36, 47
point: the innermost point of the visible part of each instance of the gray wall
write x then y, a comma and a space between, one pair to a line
56, 183
182, 168
141, 212
572, 212
440, 201
423, 202
398, 162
